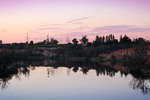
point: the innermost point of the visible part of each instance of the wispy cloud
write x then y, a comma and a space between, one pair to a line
121, 28
114, 29
50, 28
47, 25
77, 23
82, 28
76, 20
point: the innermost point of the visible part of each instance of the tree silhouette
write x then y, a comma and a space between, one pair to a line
125, 39
140, 40
103, 39
97, 41
120, 38
75, 41
140, 84
1, 42
31, 43
53, 41
84, 40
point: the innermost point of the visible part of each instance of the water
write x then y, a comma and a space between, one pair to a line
79, 83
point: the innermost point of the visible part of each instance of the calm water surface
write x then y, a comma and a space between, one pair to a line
48, 83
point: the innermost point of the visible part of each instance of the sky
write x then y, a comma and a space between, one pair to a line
62, 19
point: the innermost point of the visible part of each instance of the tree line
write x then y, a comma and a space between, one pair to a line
109, 39
99, 40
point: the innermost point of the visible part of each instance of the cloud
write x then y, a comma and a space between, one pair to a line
76, 20
78, 23
50, 28
81, 28
114, 29
121, 28
47, 25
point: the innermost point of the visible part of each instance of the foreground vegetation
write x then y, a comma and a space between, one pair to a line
50, 49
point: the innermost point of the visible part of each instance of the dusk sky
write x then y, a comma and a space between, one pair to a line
73, 18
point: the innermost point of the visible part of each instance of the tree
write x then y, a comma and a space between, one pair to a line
1, 41
120, 38
42, 43
140, 40
100, 39
84, 40
103, 39
53, 41
113, 38
75, 41
97, 41
107, 39
97, 38
115, 41
31, 43
125, 39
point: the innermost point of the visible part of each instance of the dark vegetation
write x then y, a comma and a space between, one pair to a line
105, 44
26, 52
15, 53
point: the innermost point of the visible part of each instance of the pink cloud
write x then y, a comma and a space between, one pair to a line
80, 19
121, 28
50, 28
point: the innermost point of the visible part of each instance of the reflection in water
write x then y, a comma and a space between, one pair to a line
4, 84
8, 73
50, 71
138, 82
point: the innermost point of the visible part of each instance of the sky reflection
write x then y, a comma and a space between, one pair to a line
73, 86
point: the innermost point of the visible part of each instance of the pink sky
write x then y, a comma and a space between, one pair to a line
72, 18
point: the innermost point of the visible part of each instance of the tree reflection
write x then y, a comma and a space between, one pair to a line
4, 84
7, 74
50, 71
75, 69
139, 80
140, 84
25, 71
84, 69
